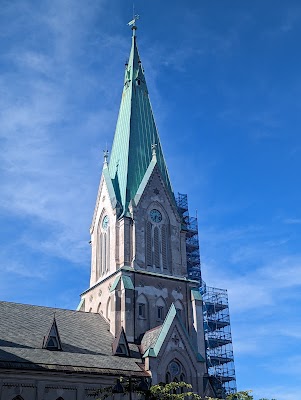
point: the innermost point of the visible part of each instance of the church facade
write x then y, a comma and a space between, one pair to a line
142, 316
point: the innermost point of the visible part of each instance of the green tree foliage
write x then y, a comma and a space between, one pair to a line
173, 391
167, 391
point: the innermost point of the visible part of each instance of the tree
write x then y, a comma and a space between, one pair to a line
163, 391
173, 391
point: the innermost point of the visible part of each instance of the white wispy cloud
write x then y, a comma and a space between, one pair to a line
41, 130
257, 287
292, 221
278, 392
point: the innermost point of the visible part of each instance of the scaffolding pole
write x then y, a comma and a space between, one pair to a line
219, 349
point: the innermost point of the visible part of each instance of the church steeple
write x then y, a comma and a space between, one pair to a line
136, 132
139, 262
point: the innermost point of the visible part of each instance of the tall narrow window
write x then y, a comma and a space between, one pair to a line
103, 251
160, 311
108, 309
157, 240
148, 244
164, 247
98, 255
108, 251
141, 310
156, 248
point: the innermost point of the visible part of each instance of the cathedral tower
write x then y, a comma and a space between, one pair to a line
138, 267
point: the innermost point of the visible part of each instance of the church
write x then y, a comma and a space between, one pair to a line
147, 317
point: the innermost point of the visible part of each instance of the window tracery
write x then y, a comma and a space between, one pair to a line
175, 372
157, 240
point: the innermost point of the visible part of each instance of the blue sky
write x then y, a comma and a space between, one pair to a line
224, 80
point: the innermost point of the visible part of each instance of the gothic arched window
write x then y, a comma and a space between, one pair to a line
156, 248
142, 307
157, 240
175, 372
160, 309
164, 236
149, 251
103, 247
108, 309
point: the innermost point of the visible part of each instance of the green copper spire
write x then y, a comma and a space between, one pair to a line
135, 134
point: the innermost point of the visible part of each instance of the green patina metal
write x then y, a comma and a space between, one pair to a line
171, 315
196, 295
126, 280
109, 184
115, 283
145, 180
81, 303
135, 133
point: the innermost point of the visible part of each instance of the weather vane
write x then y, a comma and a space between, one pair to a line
133, 21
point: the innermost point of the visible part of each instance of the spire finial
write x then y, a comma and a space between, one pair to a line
105, 156
132, 23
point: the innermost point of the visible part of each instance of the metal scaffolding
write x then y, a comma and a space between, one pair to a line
219, 350
190, 225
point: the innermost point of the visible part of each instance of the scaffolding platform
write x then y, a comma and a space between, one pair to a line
219, 352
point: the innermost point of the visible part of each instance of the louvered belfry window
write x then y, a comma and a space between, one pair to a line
156, 248
157, 245
149, 250
164, 247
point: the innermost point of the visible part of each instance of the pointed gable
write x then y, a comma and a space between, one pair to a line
153, 340
120, 345
52, 340
135, 133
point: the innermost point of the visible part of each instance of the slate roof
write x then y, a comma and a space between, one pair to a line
86, 341
149, 338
